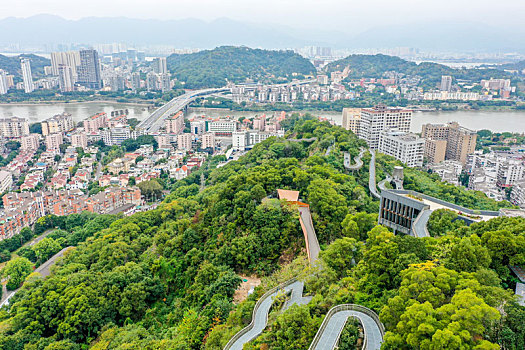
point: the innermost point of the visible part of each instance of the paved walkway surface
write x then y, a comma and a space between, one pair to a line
520, 292
420, 224
43, 269
313, 244
261, 315
336, 323
358, 161
372, 180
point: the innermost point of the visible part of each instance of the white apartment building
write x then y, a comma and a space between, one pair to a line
198, 127
208, 141
352, 119
25, 65
243, 140
58, 123
3, 82
53, 141
14, 127
79, 140
66, 78
95, 122
175, 124
30, 142
517, 196
375, 120
222, 127
69, 59
117, 134
6, 181
511, 171
448, 170
405, 147
184, 141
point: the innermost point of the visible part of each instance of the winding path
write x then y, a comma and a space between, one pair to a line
358, 161
330, 330
372, 179
262, 308
335, 320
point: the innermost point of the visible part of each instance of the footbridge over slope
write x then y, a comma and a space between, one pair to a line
328, 334
305, 218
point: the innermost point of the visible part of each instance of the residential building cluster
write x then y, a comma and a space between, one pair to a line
494, 172
387, 130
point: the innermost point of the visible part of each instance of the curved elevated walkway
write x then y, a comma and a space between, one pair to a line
372, 179
261, 310
328, 334
330, 330
358, 161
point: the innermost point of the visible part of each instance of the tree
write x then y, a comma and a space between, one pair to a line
151, 189
35, 128
342, 254
16, 271
46, 248
468, 255
12, 145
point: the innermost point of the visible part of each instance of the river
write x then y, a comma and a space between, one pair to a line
78, 110
497, 121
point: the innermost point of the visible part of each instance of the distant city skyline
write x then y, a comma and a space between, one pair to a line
340, 15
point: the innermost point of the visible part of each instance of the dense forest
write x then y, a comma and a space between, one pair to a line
11, 64
214, 68
165, 279
375, 66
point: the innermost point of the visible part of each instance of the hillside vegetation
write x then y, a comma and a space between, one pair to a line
214, 68
375, 66
11, 64
165, 279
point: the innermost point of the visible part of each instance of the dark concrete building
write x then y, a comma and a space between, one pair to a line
89, 70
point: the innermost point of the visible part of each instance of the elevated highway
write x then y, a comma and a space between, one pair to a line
156, 120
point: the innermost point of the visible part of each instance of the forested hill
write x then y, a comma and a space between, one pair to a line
213, 68
11, 64
375, 66
165, 279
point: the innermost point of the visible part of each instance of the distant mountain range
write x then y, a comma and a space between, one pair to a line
195, 33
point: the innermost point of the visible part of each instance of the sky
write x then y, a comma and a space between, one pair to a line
343, 15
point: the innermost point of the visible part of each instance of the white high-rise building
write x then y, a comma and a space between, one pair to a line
405, 147
29, 86
375, 120
14, 127
160, 65
66, 80
3, 82
184, 141
446, 83
70, 59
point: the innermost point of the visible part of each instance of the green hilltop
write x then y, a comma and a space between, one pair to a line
11, 64
214, 68
165, 279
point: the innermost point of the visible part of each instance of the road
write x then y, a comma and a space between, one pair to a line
43, 269
156, 120
333, 327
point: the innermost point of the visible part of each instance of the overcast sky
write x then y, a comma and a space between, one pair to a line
344, 15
